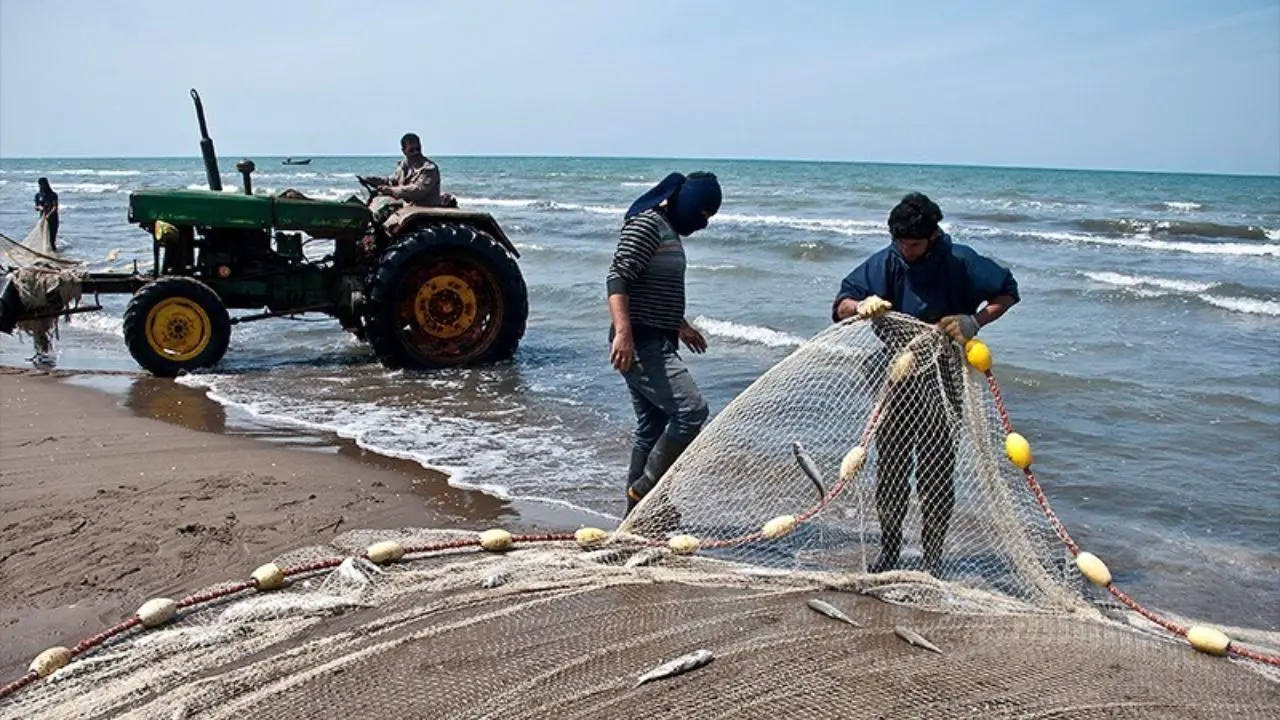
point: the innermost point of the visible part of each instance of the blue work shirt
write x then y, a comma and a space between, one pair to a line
950, 279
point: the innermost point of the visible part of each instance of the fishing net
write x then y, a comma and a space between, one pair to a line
991, 618
46, 282
908, 454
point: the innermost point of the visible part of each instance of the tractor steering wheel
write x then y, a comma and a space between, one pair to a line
369, 185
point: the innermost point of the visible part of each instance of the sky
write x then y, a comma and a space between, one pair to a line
1162, 85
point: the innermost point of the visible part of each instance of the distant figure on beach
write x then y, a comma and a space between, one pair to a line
416, 180
922, 273
47, 204
646, 294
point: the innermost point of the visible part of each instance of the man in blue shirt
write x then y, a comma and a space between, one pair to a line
922, 273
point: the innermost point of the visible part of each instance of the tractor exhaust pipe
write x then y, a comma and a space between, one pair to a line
206, 146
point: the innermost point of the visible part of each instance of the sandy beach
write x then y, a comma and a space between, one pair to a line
107, 502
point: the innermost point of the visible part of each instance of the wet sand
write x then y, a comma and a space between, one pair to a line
108, 499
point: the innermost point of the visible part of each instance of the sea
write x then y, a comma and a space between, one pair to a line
1143, 362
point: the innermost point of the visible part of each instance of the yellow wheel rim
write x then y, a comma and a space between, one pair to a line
178, 329
445, 306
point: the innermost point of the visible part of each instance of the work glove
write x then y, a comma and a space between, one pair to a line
960, 327
873, 306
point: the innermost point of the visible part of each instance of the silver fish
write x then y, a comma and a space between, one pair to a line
646, 556
915, 638
832, 611
495, 580
606, 556
809, 468
680, 665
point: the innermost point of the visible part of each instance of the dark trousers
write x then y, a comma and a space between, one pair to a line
670, 411
52, 224
916, 425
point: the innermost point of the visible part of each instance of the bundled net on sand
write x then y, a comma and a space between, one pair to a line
726, 555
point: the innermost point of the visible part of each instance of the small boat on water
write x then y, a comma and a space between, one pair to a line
302, 161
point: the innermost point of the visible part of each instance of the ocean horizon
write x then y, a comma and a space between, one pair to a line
536, 156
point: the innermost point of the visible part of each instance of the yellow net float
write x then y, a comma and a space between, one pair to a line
1018, 450
903, 366
156, 612
387, 551
50, 661
268, 577
779, 526
1094, 569
496, 540
684, 544
978, 354
1208, 640
852, 463
590, 537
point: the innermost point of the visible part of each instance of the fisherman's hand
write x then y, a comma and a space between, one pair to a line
386, 190
873, 306
622, 354
692, 338
960, 327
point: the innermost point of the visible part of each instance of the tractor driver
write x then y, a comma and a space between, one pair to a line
416, 180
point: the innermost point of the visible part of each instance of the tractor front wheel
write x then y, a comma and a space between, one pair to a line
176, 324
446, 295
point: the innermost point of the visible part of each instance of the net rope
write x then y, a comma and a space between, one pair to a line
722, 554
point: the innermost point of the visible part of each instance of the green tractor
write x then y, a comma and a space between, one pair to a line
426, 287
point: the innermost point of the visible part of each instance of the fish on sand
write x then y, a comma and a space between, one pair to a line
831, 611
679, 666
915, 638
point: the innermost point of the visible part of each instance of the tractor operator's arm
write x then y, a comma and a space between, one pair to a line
421, 185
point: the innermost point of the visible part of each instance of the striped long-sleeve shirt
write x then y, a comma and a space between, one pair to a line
649, 266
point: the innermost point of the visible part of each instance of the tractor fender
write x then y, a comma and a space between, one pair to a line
410, 217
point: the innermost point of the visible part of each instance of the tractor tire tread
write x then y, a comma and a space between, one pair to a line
379, 325
135, 320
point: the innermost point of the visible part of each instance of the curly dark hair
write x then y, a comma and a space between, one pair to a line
916, 217
409, 138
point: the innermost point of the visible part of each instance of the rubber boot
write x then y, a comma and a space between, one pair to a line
932, 553
664, 455
639, 457
932, 537
890, 548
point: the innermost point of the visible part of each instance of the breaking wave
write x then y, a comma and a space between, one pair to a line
1147, 243
1153, 287
752, 334
1177, 228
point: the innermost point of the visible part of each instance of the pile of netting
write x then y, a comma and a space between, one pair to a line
858, 535
46, 283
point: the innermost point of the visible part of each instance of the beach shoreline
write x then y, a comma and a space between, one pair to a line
113, 498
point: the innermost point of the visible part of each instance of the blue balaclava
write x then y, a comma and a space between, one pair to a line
690, 200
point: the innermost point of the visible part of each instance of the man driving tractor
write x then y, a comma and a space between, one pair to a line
416, 180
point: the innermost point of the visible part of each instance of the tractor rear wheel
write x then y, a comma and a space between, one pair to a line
176, 324
446, 295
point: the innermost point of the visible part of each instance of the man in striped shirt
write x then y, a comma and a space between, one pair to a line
646, 304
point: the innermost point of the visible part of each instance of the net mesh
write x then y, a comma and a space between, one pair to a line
726, 554
907, 447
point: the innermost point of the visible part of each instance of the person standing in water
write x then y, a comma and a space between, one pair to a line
646, 295
922, 273
47, 204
